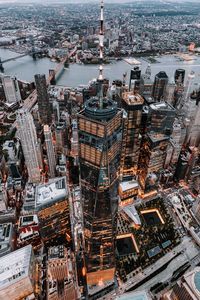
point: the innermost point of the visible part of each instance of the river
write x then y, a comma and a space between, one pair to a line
25, 68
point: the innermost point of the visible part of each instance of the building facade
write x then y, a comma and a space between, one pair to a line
159, 86
50, 151
100, 141
132, 104
44, 105
11, 89
27, 134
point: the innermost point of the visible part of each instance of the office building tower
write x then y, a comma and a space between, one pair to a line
100, 140
170, 92
160, 118
176, 141
146, 83
187, 164
27, 134
11, 89
100, 137
152, 159
192, 116
132, 105
179, 76
134, 82
52, 207
18, 275
50, 151
189, 87
159, 86
44, 105
61, 137
159, 127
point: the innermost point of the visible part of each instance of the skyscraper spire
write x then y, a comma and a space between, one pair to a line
101, 42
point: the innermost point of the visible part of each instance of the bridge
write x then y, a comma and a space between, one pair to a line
33, 52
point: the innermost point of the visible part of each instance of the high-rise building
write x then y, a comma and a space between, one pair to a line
189, 87
132, 104
159, 86
134, 83
179, 76
161, 118
44, 105
11, 89
153, 151
27, 134
52, 206
192, 115
100, 137
18, 275
50, 151
146, 83
100, 140
169, 92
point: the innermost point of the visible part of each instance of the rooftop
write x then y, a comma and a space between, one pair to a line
157, 137
55, 189
161, 106
132, 213
94, 111
132, 99
14, 266
128, 185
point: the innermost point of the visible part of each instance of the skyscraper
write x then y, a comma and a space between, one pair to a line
146, 83
132, 105
50, 151
134, 83
179, 76
100, 138
44, 105
159, 86
27, 134
153, 151
11, 89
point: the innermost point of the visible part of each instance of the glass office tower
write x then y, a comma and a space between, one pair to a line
100, 141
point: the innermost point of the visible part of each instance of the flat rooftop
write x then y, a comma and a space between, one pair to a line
14, 266
157, 137
161, 106
55, 189
128, 185
132, 99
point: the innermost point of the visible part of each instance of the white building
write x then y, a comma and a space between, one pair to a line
27, 134
11, 89
17, 275
50, 151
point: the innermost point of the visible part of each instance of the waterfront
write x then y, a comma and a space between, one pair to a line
25, 68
